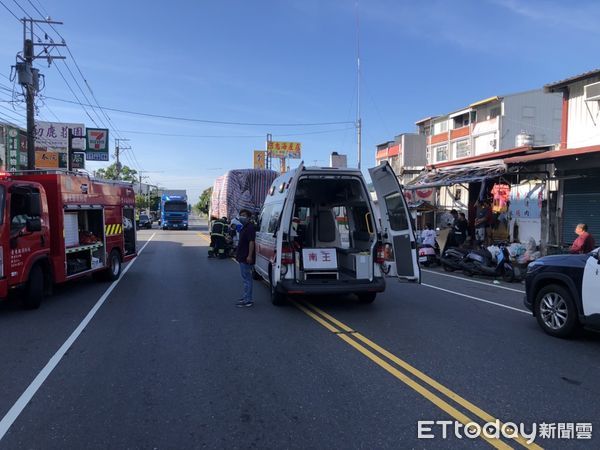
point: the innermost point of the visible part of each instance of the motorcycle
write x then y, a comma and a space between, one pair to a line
481, 262
452, 258
428, 255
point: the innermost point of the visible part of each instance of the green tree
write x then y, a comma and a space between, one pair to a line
110, 173
204, 201
141, 202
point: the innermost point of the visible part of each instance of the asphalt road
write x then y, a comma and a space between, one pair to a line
167, 361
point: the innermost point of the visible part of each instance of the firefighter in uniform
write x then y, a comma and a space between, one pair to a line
218, 233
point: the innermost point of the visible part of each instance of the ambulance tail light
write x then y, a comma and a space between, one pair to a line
287, 254
384, 253
1, 262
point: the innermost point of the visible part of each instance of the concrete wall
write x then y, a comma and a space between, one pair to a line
534, 112
584, 117
414, 148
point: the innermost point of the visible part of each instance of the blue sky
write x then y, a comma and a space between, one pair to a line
294, 62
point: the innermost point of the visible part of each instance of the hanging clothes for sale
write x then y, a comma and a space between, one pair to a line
500, 197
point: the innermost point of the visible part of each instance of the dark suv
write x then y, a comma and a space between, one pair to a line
144, 222
563, 292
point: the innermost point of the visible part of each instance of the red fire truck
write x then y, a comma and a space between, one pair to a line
57, 226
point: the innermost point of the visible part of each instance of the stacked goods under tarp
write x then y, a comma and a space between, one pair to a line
240, 189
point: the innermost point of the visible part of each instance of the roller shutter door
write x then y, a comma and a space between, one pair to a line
581, 205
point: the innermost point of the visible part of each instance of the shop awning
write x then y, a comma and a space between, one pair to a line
553, 155
457, 175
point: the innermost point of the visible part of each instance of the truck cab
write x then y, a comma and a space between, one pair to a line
174, 212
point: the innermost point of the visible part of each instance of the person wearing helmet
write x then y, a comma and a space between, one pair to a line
218, 232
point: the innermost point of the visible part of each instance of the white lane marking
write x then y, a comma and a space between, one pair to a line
473, 281
477, 298
35, 385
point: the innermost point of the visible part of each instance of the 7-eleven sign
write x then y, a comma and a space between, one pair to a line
97, 140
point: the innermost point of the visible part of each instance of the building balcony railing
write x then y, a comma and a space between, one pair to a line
460, 132
438, 138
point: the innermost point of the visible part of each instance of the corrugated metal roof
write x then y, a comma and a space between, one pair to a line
457, 175
484, 101
484, 157
425, 119
553, 87
554, 154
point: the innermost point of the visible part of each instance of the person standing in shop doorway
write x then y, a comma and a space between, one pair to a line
482, 222
585, 242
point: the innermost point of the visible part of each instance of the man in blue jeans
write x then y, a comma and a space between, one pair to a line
245, 256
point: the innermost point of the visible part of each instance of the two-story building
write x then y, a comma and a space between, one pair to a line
492, 125
465, 152
574, 168
406, 155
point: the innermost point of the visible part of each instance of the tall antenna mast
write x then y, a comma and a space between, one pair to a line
358, 119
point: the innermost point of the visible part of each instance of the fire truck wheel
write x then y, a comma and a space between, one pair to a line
114, 267
34, 291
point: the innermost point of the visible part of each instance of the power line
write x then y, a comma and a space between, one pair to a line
108, 124
9, 10
247, 136
216, 122
76, 66
78, 102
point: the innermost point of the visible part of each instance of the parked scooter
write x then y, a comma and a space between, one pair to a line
429, 255
481, 262
452, 258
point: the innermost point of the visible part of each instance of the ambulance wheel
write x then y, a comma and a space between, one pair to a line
34, 291
277, 298
367, 297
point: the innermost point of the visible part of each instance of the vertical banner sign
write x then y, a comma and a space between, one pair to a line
14, 149
78, 160
2, 148
259, 159
97, 144
23, 150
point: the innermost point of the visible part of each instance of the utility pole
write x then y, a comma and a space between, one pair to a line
118, 149
358, 119
269, 160
142, 177
29, 76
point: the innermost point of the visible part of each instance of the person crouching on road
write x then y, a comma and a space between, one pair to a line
245, 256
218, 231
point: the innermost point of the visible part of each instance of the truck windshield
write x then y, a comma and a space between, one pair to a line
176, 206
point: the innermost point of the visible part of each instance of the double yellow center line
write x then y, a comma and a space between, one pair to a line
436, 393
442, 397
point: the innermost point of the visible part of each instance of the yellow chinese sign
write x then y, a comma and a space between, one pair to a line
284, 149
259, 159
46, 160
